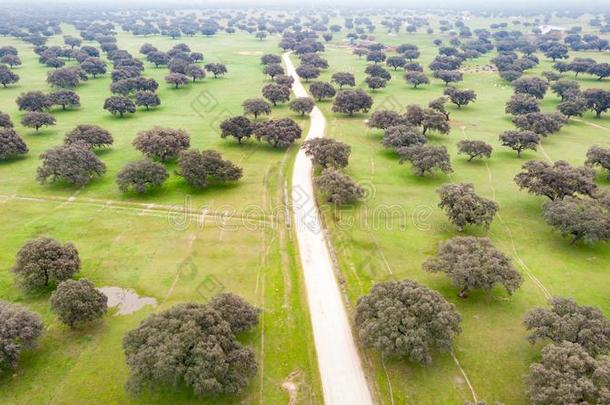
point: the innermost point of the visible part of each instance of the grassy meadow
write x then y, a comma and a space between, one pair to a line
241, 246
399, 225
244, 246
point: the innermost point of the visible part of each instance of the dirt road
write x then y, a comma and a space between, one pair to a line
343, 379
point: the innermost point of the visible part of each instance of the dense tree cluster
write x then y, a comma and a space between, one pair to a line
193, 345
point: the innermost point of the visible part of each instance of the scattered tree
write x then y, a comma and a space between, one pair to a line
20, 330
11, 144
464, 207
33, 101
474, 263
327, 152
570, 322
598, 100
416, 78
78, 302
474, 149
279, 133
67, 77
36, 120
44, 262
339, 188
239, 127
160, 143
119, 105
308, 72
147, 99
343, 79
564, 87
567, 374
556, 180
322, 90
374, 82
426, 158
74, 164
596, 155
256, 107
400, 136
584, 219
141, 176
7, 76
65, 98
460, 97
382, 316
276, 93
534, 86
540, 123
449, 76
351, 101
302, 105
177, 79
522, 104
383, 119
217, 69
520, 140
201, 168
91, 135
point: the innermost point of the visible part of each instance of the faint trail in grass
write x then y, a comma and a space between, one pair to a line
591, 124
457, 363
518, 258
139, 209
260, 283
378, 249
147, 209
191, 241
70, 199
387, 377
546, 155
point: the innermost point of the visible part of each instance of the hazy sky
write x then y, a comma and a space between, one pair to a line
463, 4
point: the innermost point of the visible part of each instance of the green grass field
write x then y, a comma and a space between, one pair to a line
124, 242
492, 349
